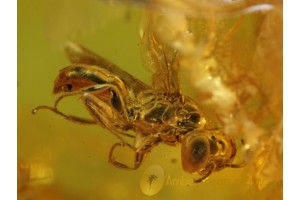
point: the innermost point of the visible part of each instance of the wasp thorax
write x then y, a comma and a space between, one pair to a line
189, 117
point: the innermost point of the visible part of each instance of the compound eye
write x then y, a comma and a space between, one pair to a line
194, 151
67, 88
198, 151
194, 118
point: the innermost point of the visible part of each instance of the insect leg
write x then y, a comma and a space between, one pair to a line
99, 88
68, 117
240, 165
138, 158
140, 153
210, 168
71, 117
104, 114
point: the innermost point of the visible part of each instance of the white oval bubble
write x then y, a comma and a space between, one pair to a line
152, 180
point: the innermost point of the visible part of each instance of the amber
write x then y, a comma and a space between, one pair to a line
230, 63
232, 58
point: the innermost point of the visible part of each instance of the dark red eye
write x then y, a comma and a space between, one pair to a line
194, 151
67, 88
199, 151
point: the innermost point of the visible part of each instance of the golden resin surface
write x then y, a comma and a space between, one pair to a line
230, 63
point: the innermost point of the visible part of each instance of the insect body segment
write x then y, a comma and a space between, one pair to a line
205, 152
119, 102
99, 90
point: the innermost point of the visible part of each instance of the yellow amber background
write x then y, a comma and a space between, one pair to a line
240, 54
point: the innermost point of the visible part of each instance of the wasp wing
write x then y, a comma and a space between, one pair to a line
162, 59
78, 54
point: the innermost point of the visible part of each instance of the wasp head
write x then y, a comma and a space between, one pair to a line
202, 149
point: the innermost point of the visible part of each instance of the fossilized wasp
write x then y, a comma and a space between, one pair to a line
157, 114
